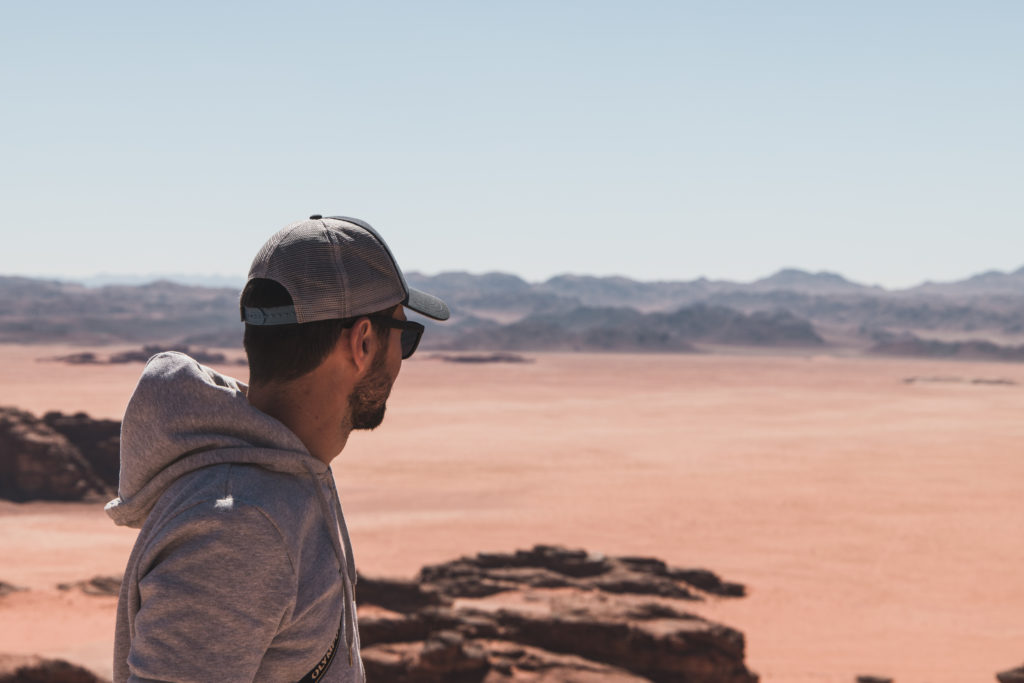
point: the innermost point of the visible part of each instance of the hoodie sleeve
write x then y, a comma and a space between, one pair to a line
214, 585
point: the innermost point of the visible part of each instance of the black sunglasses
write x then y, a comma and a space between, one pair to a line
411, 332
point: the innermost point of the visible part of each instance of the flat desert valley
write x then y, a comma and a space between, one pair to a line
877, 522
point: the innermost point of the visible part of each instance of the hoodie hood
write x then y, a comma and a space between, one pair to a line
184, 416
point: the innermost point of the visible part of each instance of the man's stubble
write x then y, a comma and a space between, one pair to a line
368, 400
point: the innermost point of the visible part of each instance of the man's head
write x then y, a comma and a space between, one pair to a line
326, 299
281, 353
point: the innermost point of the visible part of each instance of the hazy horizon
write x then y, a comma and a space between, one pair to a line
222, 280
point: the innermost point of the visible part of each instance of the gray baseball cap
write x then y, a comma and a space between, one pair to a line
334, 267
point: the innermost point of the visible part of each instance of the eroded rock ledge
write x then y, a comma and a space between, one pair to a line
57, 457
548, 614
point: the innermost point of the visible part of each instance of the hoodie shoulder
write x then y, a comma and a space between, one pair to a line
184, 415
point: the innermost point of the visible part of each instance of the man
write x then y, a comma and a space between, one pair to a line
243, 570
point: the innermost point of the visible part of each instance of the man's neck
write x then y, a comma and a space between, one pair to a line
321, 427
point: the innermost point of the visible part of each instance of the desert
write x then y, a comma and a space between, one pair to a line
869, 505
730, 389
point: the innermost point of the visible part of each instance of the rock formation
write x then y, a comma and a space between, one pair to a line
8, 588
59, 457
99, 441
144, 354
15, 669
97, 585
548, 614
1011, 676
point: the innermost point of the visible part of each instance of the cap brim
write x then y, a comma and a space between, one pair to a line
427, 304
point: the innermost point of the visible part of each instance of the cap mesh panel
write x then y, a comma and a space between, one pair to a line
331, 269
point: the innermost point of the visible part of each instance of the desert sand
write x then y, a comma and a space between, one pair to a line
876, 523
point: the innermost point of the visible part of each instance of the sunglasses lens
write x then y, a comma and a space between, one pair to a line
410, 339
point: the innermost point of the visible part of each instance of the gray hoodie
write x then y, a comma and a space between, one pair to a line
239, 572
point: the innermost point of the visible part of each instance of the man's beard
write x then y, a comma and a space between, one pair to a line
369, 397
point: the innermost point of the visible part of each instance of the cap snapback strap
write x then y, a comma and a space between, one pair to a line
278, 315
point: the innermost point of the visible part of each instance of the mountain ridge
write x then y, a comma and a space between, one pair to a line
786, 276
500, 311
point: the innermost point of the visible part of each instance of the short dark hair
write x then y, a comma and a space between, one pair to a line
280, 353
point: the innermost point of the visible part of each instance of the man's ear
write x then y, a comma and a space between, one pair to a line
362, 343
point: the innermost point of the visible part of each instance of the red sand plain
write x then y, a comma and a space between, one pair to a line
877, 523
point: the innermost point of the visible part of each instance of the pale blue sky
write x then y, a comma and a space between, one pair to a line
658, 140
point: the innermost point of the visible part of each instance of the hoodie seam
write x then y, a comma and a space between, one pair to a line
227, 479
280, 535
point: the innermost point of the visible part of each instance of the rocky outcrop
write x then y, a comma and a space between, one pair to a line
39, 463
15, 669
555, 567
1011, 676
8, 588
59, 457
144, 354
99, 441
548, 614
478, 358
97, 585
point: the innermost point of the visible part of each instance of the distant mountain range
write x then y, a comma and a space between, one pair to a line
53, 311
103, 279
498, 311
793, 279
